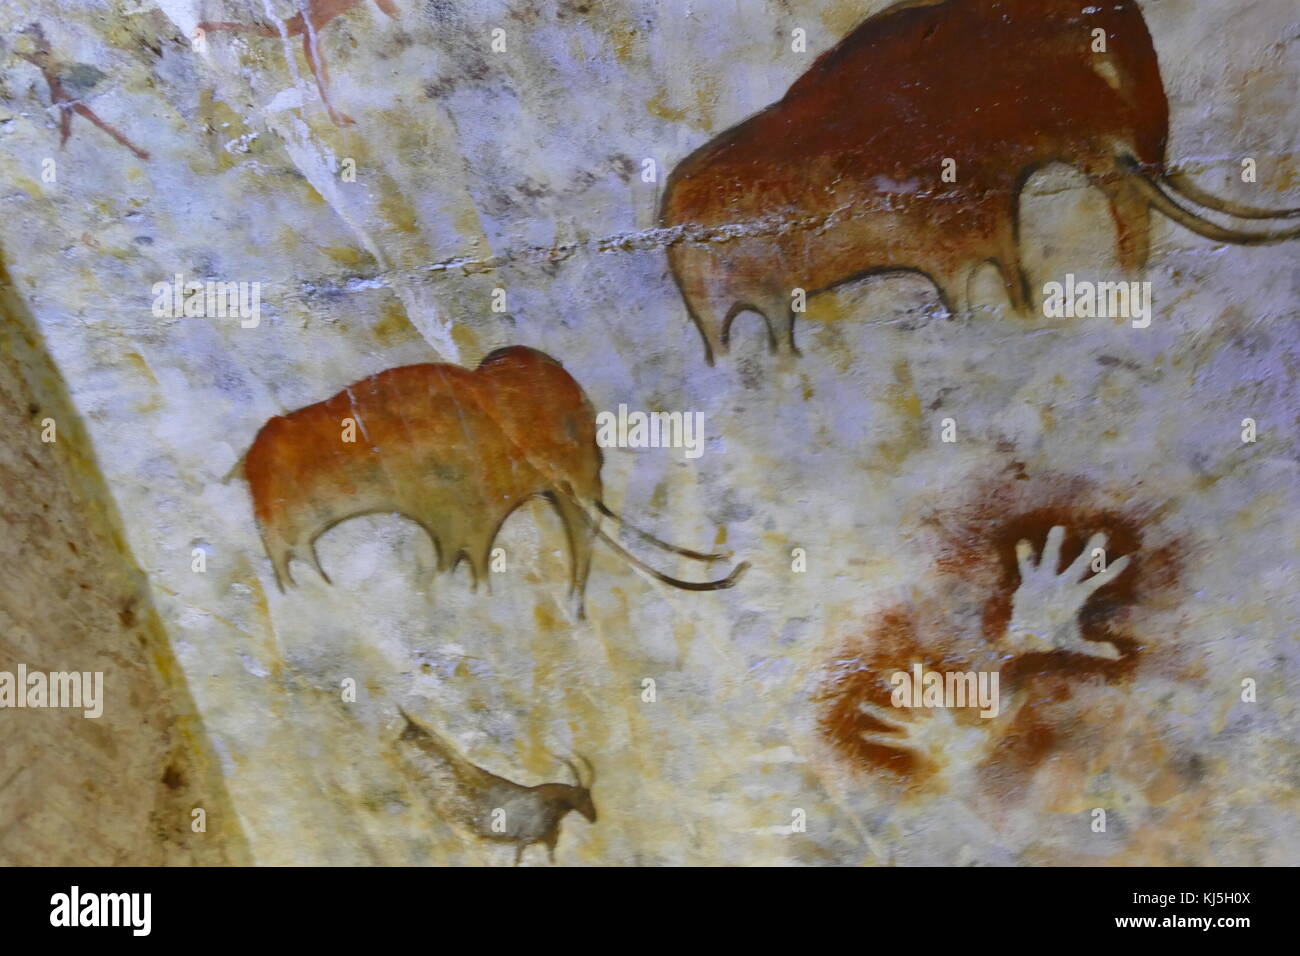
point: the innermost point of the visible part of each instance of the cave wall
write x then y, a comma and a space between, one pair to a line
381, 243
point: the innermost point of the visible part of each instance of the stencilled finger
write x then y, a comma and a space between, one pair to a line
1051, 559
891, 733
1079, 568
1102, 649
1102, 578
1025, 558
883, 715
896, 741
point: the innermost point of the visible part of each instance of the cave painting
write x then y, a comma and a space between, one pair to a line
319, 15
456, 451
1027, 600
1045, 619
487, 807
67, 83
905, 149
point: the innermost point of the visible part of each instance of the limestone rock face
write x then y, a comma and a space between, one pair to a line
119, 788
430, 181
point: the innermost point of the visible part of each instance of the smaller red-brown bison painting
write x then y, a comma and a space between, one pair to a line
1014, 668
905, 148
453, 449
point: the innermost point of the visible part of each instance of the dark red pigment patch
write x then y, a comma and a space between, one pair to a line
977, 542
861, 673
974, 547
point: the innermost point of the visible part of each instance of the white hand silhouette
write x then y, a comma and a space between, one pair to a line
1044, 617
929, 734
1045, 608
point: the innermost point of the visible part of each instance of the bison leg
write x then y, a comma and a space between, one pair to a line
280, 554
1015, 283
478, 551
477, 559
315, 560
279, 534
1132, 215
1007, 261
1128, 207
773, 342
954, 290
714, 298
705, 293
778, 315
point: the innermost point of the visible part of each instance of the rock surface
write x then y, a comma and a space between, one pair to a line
382, 243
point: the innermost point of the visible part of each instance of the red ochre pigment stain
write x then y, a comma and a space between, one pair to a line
977, 542
974, 545
862, 674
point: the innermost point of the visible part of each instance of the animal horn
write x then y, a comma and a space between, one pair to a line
1181, 183
577, 777
658, 575
647, 536
655, 573
583, 782
1190, 220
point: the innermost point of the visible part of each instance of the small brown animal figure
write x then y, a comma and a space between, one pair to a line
319, 14
491, 807
844, 176
57, 78
456, 451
